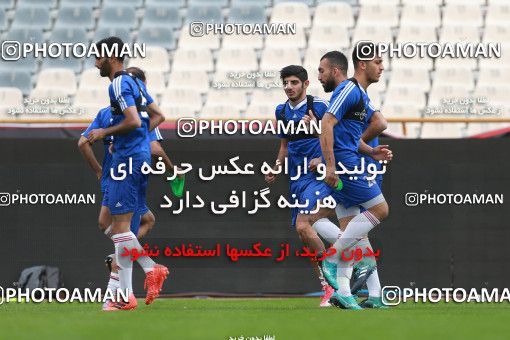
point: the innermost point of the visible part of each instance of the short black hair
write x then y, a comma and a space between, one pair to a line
364, 51
110, 42
137, 73
338, 59
294, 70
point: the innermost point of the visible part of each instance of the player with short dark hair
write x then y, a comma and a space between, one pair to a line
349, 112
134, 114
297, 148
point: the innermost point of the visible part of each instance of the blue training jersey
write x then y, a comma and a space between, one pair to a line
126, 91
102, 121
306, 147
352, 108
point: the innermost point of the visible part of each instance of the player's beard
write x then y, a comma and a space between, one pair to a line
105, 69
329, 85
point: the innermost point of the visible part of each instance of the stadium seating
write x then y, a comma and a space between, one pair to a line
10, 98
201, 64
75, 16
32, 17
161, 17
219, 112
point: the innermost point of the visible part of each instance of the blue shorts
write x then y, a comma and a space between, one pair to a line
129, 194
307, 189
356, 192
135, 219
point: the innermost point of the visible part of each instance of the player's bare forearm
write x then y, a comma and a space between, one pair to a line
364, 148
376, 126
155, 116
130, 122
326, 139
88, 154
158, 151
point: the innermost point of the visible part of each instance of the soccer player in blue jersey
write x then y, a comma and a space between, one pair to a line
297, 148
134, 114
341, 141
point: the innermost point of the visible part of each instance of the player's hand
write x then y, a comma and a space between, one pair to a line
95, 135
314, 163
309, 117
331, 178
382, 153
176, 168
110, 149
270, 178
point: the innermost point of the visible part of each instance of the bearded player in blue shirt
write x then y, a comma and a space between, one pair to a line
342, 139
134, 114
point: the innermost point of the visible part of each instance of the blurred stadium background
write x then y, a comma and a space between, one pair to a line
183, 70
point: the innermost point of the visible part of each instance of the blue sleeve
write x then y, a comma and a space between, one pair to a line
155, 135
277, 116
320, 108
146, 94
343, 100
96, 124
122, 92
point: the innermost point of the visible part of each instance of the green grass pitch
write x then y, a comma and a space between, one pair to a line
285, 318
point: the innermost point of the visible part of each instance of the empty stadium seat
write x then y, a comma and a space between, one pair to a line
313, 56
219, 112
226, 97
175, 3
176, 111
73, 35
87, 96
459, 33
282, 40
204, 13
157, 37
330, 37
378, 15
494, 33
10, 98
315, 89
416, 77
3, 21
75, 16
493, 76
258, 110
105, 32
6, 4
411, 33
71, 63
28, 65
272, 97
306, 2
441, 92
462, 14
89, 3
182, 96
32, 17
155, 82
404, 94
186, 40
90, 79
454, 76
36, 3
416, 62
57, 79
498, 14
247, 14
276, 58
219, 3
373, 33
189, 79
156, 59
421, 15
198, 59
287, 12
161, 16
333, 13
236, 60
132, 3
117, 16
242, 41
496, 95
448, 62
408, 110
18, 79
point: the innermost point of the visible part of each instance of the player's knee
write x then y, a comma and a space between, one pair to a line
381, 211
